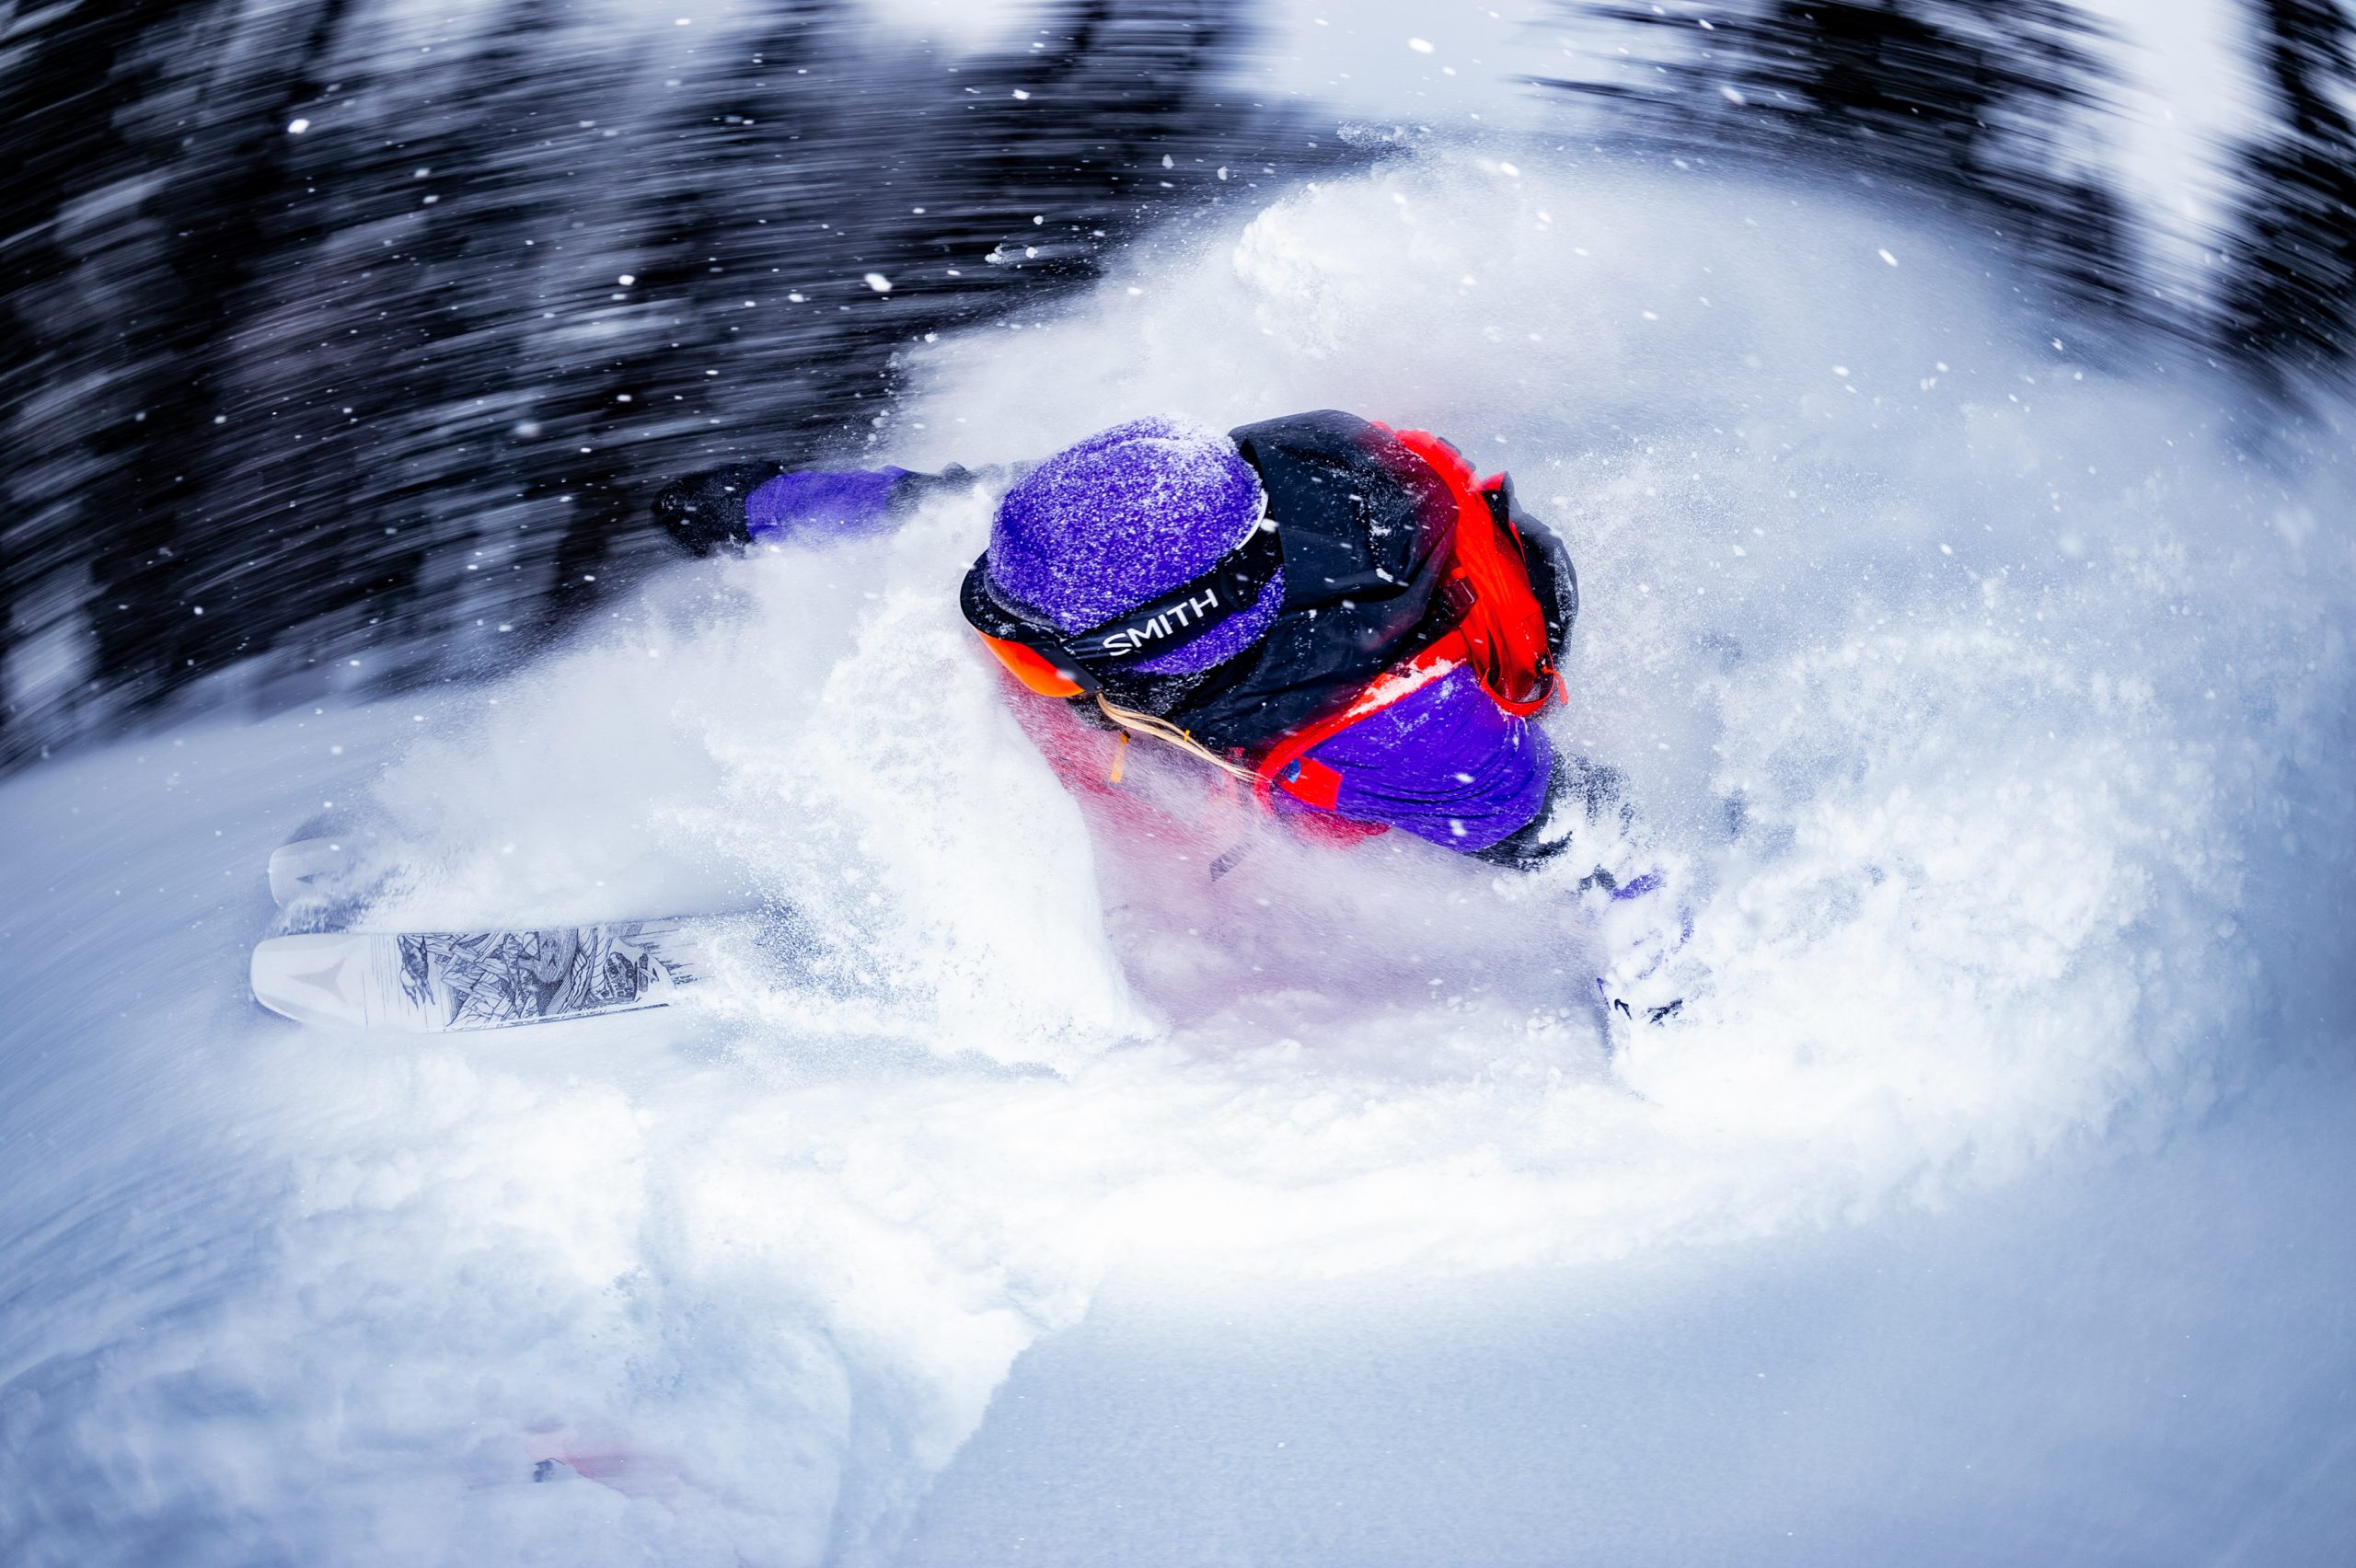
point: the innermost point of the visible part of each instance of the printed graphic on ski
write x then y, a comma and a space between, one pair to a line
429, 981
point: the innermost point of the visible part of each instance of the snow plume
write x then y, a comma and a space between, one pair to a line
1997, 708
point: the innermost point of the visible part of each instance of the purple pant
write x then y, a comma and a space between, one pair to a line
1444, 763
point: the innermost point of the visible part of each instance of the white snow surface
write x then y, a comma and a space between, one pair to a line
1996, 704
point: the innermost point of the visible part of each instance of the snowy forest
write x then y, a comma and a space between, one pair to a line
317, 347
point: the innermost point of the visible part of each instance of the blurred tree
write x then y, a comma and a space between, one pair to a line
2288, 307
76, 424
316, 341
1979, 103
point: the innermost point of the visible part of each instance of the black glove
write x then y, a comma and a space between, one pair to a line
705, 511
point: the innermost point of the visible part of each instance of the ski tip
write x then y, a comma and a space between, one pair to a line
320, 980
297, 869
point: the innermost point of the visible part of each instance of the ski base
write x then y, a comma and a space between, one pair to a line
434, 981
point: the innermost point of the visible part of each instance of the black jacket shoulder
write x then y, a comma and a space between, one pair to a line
1360, 516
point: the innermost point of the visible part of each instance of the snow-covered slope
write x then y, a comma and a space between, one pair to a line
1998, 704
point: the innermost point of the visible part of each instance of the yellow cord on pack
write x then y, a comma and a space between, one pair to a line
1162, 730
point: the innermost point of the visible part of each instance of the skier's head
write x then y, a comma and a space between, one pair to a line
1123, 518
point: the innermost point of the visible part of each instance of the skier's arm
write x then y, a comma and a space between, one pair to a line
760, 503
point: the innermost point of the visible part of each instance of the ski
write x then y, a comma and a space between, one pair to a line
309, 867
437, 981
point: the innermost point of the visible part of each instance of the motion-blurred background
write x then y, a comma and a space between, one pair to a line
346, 339
1947, 406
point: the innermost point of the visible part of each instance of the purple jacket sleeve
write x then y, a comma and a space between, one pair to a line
857, 501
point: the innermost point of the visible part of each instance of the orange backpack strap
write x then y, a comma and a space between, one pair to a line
1502, 622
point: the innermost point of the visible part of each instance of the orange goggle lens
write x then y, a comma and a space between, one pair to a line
1030, 667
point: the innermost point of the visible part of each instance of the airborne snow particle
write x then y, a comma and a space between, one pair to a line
1887, 256
297, 127
879, 282
1420, 45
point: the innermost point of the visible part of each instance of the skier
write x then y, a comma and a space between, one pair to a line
1337, 614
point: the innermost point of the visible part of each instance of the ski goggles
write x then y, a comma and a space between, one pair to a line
1058, 664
